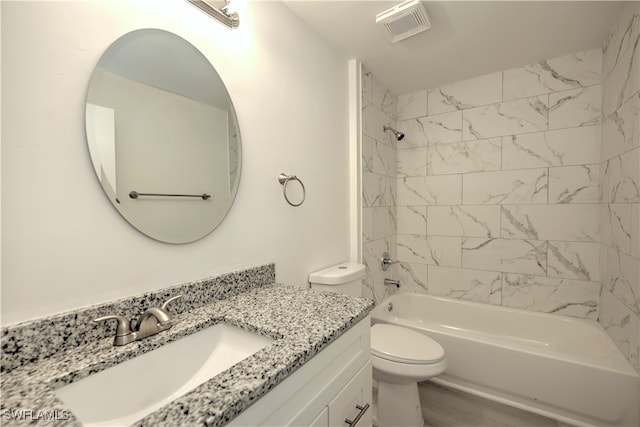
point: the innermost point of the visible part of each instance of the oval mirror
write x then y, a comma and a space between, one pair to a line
163, 136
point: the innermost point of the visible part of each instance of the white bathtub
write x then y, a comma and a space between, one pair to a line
561, 367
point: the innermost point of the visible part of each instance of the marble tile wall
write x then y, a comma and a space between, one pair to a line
497, 186
620, 185
519, 188
379, 169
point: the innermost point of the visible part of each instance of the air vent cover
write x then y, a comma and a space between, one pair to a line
403, 20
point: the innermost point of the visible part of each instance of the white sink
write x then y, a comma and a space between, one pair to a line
124, 393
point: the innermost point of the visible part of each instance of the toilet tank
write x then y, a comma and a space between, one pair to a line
344, 278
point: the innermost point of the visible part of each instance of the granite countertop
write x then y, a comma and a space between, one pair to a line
302, 322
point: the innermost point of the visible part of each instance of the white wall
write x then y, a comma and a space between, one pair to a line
65, 246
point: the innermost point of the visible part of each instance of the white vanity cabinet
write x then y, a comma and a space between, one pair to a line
331, 388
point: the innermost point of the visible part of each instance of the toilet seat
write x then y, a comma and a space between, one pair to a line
403, 345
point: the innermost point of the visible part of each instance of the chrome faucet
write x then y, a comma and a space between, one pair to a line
391, 282
152, 321
386, 261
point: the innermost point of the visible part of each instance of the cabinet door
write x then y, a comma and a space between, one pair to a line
353, 402
299, 399
322, 420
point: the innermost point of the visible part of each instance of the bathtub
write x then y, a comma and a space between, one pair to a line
561, 367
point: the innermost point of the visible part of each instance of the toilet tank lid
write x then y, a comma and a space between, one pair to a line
338, 274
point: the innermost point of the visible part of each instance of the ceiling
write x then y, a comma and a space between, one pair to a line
467, 38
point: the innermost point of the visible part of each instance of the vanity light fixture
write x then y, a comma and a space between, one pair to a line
230, 19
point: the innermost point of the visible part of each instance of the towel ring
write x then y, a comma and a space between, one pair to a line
284, 179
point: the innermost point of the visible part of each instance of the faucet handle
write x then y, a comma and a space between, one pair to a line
169, 301
124, 326
386, 261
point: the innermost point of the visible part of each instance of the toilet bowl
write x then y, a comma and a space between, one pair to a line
401, 358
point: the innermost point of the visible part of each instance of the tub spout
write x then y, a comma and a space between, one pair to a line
391, 282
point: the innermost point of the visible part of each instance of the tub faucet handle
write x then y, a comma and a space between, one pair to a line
386, 261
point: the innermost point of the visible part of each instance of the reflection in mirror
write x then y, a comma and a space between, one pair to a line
161, 123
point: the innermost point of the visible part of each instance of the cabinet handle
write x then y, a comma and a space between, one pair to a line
362, 409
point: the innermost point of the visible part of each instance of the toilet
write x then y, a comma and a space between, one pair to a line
401, 357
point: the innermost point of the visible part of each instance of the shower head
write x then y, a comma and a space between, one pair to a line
397, 134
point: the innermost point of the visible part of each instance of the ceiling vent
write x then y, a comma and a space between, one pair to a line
403, 20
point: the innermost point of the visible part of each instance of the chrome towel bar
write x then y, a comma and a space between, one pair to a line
135, 195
